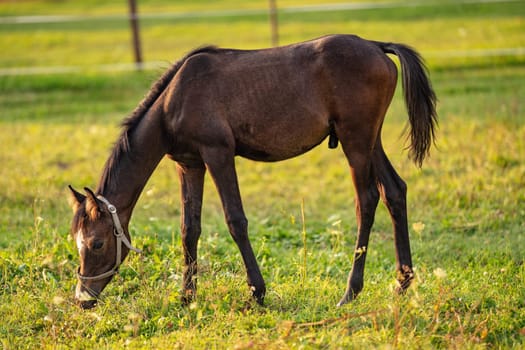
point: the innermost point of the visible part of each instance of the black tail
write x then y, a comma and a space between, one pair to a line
420, 99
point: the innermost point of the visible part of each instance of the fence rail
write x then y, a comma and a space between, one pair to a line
155, 65
272, 12
235, 12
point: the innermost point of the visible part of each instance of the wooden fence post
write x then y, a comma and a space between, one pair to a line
133, 18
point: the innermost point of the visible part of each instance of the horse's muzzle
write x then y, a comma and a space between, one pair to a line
88, 304
86, 298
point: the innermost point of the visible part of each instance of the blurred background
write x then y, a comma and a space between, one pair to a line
96, 35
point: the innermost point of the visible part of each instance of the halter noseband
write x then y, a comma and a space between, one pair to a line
121, 238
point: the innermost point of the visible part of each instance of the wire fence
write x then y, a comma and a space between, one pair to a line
272, 11
237, 12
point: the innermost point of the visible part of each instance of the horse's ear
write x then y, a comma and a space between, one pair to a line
93, 205
75, 198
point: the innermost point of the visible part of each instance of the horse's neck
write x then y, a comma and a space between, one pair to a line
123, 182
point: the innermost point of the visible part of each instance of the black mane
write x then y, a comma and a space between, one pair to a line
121, 148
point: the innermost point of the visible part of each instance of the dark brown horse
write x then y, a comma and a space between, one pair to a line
265, 105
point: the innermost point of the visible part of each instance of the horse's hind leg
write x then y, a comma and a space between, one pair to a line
357, 147
393, 193
221, 165
192, 182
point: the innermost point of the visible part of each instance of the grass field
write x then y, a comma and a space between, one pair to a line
466, 205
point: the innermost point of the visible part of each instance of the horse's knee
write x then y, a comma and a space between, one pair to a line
238, 227
190, 226
190, 238
367, 204
190, 233
395, 196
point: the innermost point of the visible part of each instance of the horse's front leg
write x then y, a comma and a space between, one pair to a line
192, 182
221, 165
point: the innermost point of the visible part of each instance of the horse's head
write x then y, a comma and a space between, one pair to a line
99, 235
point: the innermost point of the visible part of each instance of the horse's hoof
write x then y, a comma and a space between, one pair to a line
258, 294
348, 297
259, 299
187, 297
404, 279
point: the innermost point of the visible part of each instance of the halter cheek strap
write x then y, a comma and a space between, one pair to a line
120, 237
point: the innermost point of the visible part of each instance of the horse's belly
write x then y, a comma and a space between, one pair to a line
278, 142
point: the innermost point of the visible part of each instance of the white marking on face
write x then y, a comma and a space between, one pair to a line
83, 295
80, 240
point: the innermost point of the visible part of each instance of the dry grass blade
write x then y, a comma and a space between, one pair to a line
336, 319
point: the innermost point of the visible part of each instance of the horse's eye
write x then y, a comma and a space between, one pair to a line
97, 245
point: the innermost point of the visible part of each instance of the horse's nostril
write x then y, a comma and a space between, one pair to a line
85, 299
88, 304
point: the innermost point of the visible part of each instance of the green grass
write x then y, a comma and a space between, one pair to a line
466, 205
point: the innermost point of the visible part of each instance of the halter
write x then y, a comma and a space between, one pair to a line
121, 238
